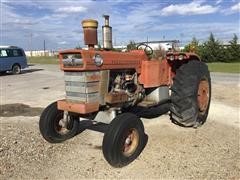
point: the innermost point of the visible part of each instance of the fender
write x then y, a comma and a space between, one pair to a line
182, 56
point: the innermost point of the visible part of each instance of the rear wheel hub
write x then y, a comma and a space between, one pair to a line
203, 95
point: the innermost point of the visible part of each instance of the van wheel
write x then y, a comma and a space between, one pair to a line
16, 69
124, 140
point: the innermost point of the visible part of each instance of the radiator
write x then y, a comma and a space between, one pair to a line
82, 87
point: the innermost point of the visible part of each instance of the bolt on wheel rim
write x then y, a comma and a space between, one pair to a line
131, 142
203, 95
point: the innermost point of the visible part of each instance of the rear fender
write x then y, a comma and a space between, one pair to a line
177, 59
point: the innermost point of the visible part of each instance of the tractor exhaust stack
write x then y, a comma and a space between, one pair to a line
107, 34
90, 32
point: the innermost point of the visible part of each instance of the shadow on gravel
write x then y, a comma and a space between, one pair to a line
30, 71
92, 125
11, 110
24, 71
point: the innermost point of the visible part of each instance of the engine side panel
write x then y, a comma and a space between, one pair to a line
155, 73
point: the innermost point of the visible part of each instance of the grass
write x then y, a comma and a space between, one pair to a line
224, 67
213, 67
42, 60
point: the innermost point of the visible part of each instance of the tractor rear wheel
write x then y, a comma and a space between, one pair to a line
124, 140
191, 94
51, 125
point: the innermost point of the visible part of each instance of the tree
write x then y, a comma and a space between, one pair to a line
159, 53
131, 45
212, 50
78, 47
192, 46
233, 50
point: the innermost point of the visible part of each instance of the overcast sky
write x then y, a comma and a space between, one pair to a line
59, 22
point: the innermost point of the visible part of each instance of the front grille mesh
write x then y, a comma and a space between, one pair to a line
82, 86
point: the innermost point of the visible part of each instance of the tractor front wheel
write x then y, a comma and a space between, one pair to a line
52, 125
124, 140
191, 94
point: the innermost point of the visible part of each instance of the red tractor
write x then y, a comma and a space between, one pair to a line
114, 90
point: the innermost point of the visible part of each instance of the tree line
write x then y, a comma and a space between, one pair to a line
213, 50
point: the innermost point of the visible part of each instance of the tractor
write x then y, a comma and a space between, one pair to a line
114, 90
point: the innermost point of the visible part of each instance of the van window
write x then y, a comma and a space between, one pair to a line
14, 52
17, 52
3, 53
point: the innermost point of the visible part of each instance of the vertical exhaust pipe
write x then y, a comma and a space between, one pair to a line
107, 34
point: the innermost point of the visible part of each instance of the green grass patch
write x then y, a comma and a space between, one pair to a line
42, 60
224, 67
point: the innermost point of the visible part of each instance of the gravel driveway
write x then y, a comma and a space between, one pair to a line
172, 152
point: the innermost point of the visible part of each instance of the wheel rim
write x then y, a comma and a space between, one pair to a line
203, 95
130, 142
16, 69
58, 125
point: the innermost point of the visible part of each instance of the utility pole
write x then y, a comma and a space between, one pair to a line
181, 38
44, 47
115, 40
31, 44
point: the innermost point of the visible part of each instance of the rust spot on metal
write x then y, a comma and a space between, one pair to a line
82, 108
90, 36
116, 97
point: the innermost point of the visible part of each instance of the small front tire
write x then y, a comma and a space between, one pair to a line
51, 127
124, 140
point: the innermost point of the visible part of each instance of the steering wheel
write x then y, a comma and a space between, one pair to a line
148, 50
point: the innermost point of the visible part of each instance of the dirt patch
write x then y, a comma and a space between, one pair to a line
227, 94
172, 152
209, 152
18, 109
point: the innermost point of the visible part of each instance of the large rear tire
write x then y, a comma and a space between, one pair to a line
124, 140
191, 94
51, 128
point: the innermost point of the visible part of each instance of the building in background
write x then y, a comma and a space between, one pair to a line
165, 45
41, 53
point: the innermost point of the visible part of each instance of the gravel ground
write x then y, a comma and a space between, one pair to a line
172, 152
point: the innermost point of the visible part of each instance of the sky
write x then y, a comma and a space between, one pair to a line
27, 23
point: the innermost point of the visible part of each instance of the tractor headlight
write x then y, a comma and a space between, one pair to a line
171, 57
180, 57
98, 60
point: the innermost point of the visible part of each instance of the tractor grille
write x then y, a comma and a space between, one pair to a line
82, 86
